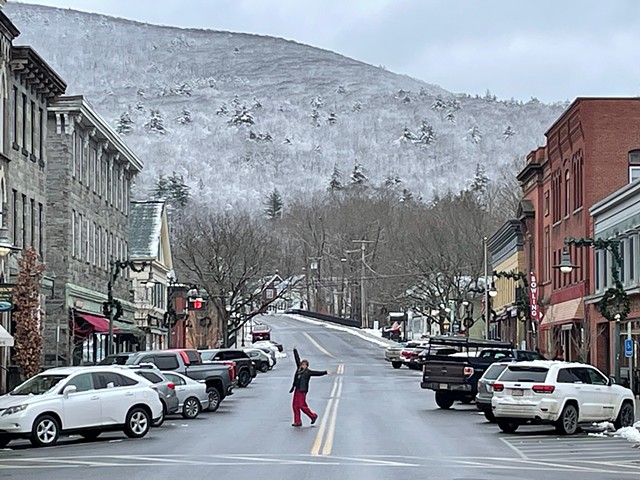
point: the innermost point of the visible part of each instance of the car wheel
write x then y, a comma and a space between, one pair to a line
214, 398
488, 414
191, 408
244, 378
138, 423
567, 424
444, 400
4, 440
508, 427
396, 364
264, 367
626, 417
160, 421
45, 431
90, 434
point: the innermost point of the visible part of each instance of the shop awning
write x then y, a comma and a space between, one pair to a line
563, 313
100, 324
128, 328
6, 340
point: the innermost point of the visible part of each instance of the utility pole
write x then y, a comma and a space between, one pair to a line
364, 321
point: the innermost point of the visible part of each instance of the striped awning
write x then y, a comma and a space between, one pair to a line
563, 313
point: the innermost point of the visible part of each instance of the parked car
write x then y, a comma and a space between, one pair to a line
269, 349
485, 388
392, 354
165, 387
263, 361
260, 331
83, 400
192, 395
454, 377
562, 394
245, 369
409, 354
218, 377
270, 344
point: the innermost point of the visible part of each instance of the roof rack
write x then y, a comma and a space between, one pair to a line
468, 342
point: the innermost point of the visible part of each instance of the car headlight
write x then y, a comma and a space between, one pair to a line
15, 409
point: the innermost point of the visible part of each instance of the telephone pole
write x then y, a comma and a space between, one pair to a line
364, 321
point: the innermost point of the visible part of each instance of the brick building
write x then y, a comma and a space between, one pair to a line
588, 156
90, 172
27, 85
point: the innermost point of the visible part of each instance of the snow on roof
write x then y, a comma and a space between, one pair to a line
145, 228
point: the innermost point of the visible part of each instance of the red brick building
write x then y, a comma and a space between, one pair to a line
587, 157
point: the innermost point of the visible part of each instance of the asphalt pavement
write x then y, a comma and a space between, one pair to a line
375, 423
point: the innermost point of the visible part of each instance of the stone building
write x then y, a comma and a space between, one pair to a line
89, 173
27, 85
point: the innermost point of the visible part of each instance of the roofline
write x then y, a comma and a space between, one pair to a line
29, 53
8, 24
77, 103
616, 198
577, 101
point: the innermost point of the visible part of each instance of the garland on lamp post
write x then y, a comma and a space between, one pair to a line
522, 302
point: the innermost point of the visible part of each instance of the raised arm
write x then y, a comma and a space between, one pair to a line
318, 373
296, 356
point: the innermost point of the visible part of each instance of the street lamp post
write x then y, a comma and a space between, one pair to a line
171, 315
488, 291
111, 305
614, 304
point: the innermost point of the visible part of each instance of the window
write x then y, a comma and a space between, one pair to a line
566, 375
547, 254
73, 233
515, 373
41, 135
596, 377
103, 380
634, 165
14, 217
40, 231
597, 270
152, 377
24, 124
87, 240
582, 374
567, 201
631, 259
33, 130
270, 293
166, 362
14, 131
622, 255
79, 231
546, 203
176, 379
82, 382
32, 214
24, 221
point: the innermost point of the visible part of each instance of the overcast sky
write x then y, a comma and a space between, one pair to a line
550, 49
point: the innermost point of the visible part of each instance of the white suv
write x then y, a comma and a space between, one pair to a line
83, 400
563, 394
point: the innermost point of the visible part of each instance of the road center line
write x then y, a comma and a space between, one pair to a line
328, 443
317, 345
317, 444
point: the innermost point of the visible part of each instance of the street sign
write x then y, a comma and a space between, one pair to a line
628, 348
6, 297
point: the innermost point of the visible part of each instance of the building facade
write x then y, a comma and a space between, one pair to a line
27, 86
618, 217
506, 248
149, 244
89, 172
587, 156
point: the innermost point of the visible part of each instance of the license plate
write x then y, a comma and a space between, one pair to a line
517, 393
444, 386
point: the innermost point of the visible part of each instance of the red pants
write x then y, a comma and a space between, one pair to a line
300, 404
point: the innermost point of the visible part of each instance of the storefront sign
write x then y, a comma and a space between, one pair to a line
6, 296
533, 296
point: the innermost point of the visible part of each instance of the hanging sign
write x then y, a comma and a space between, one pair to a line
533, 296
6, 296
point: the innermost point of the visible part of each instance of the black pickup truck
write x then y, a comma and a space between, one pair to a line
454, 377
245, 368
217, 377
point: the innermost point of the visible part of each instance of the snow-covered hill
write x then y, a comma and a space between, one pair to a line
241, 114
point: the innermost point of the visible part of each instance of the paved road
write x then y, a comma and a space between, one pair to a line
375, 423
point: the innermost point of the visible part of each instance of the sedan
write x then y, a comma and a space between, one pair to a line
192, 395
263, 361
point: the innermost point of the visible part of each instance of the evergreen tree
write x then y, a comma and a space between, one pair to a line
223, 110
273, 205
123, 125
156, 122
185, 117
336, 179
508, 133
358, 178
427, 135
28, 315
341, 89
332, 118
476, 134
315, 118
480, 182
172, 189
439, 105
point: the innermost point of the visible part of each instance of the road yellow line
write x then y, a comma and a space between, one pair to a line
328, 442
317, 444
317, 345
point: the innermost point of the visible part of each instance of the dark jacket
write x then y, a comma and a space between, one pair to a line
301, 378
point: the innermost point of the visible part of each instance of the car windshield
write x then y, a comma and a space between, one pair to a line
39, 384
521, 373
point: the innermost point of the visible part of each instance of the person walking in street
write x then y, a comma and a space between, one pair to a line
300, 388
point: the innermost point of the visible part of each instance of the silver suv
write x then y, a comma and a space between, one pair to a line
166, 389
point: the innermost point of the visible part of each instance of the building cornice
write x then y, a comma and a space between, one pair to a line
34, 71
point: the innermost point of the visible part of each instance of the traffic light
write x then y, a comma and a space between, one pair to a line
196, 304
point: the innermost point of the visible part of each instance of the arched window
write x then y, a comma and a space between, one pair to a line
634, 165
567, 199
